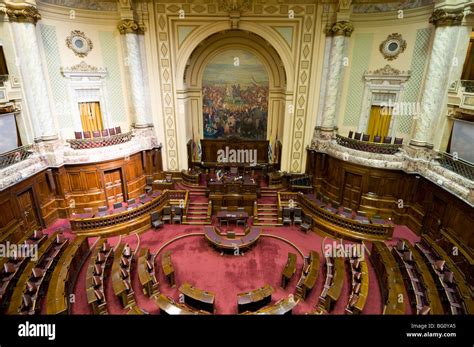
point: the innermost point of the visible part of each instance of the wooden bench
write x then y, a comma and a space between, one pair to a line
359, 285
309, 275
335, 274
289, 270
168, 268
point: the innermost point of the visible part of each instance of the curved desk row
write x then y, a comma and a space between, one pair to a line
133, 220
335, 273
339, 225
198, 298
169, 307
255, 299
282, 306
226, 244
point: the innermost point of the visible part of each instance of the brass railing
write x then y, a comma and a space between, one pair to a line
365, 146
100, 141
457, 165
15, 156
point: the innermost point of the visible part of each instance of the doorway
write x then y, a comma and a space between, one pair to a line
29, 210
113, 186
91, 116
379, 121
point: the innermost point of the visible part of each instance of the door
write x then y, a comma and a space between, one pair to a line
351, 192
432, 221
113, 186
379, 121
28, 209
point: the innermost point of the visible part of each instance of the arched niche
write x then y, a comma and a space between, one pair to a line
190, 96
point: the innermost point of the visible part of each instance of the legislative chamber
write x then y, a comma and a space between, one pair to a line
237, 157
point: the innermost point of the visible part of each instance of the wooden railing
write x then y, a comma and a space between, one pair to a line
134, 220
15, 156
457, 165
365, 146
190, 178
100, 141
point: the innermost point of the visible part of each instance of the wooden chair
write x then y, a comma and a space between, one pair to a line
357, 136
387, 139
87, 209
297, 217
117, 205
307, 223
112, 131
365, 137
87, 134
377, 139
96, 133
105, 133
102, 208
78, 135
177, 215
118, 130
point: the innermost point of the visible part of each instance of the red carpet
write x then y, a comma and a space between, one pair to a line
196, 262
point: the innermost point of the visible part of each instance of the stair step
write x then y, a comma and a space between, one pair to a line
198, 203
197, 217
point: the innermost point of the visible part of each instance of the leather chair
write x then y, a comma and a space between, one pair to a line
149, 184
102, 208
377, 139
78, 135
105, 133
177, 215
37, 234
87, 134
117, 205
112, 131
155, 220
387, 139
166, 214
398, 141
97, 270
350, 134
118, 130
286, 216
100, 258
37, 273
307, 223
96, 133
127, 251
365, 137
297, 216
97, 281
105, 247
357, 136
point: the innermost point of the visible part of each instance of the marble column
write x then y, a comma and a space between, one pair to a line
324, 77
437, 77
130, 31
23, 20
340, 31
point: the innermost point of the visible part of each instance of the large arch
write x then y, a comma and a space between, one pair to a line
190, 95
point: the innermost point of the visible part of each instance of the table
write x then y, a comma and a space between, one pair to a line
198, 298
255, 299
232, 245
232, 216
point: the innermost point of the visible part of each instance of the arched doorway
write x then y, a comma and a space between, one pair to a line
251, 52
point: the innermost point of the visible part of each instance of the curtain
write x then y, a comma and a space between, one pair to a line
91, 116
379, 122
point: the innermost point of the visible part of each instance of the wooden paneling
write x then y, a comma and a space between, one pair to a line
407, 198
210, 148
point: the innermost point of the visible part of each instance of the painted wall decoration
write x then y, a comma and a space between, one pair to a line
235, 96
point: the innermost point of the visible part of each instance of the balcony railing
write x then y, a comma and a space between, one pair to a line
100, 141
15, 156
382, 148
457, 165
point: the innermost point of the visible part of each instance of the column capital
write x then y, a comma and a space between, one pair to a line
445, 17
21, 13
341, 28
129, 26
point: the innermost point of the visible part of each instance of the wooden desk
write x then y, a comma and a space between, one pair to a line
332, 290
359, 305
289, 270
168, 268
163, 185
126, 297
309, 276
98, 306
233, 245
281, 307
390, 279
232, 216
169, 307
57, 299
255, 299
146, 275
198, 298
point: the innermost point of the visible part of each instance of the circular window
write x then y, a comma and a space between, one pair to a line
393, 45
79, 43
